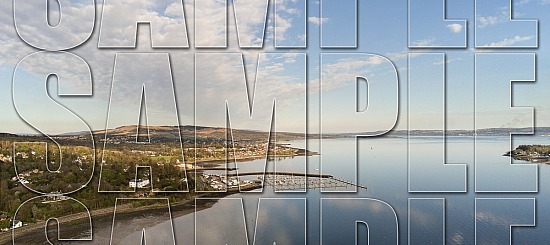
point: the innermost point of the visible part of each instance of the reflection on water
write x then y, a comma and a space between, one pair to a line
383, 168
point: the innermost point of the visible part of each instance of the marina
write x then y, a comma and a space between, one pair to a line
303, 182
280, 181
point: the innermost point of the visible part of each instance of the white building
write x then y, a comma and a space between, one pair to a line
15, 224
139, 183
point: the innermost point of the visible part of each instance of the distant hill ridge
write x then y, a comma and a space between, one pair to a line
479, 132
8, 135
188, 131
203, 131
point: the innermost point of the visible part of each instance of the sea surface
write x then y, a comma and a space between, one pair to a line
381, 213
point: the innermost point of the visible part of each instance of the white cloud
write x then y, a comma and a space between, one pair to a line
447, 61
424, 42
338, 71
209, 22
75, 26
101, 61
220, 79
402, 55
283, 24
456, 28
483, 21
317, 20
288, 13
510, 41
168, 31
501, 16
250, 14
173, 10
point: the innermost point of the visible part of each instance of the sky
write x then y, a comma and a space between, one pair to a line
414, 60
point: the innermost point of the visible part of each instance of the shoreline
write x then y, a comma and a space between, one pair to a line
300, 152
31, 234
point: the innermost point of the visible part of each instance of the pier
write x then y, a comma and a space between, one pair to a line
281, 173
298, 182
350, 183
289, 181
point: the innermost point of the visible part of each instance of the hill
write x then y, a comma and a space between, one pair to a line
188, 133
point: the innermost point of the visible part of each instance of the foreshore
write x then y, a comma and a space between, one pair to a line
34, 233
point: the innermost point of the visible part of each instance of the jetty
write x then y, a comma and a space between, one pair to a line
350, 183
281, 173
292, 181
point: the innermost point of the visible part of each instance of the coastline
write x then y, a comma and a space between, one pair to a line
299, 152
103, 218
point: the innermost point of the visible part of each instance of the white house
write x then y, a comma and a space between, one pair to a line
139, 183
15, 224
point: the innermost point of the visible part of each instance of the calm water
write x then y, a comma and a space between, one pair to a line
383, 168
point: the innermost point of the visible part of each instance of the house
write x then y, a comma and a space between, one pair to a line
55, 196
4, 217
5, 158
22, 154
15, 224
139, 183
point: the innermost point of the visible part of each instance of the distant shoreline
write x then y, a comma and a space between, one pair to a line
543, 131
216, 161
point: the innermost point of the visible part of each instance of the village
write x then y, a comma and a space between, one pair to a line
38, 169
